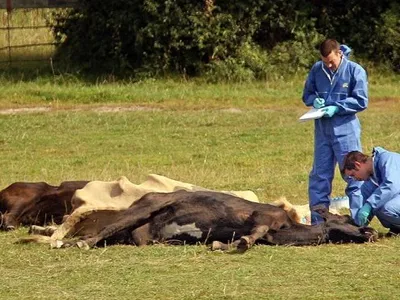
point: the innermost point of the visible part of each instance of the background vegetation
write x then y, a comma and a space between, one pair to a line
217, 41
220, 40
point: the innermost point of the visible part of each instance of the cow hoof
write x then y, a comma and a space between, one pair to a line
83, 245
64, 218
216, 246
33, 229
244, 244
57, 244
371, 234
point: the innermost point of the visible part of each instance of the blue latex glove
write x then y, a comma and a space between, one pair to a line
363, 214
319, 102
330, 111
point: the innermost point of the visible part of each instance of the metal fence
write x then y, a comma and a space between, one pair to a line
9, 31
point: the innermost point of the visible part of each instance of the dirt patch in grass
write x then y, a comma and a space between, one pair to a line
105, 109
11, 111
100, 109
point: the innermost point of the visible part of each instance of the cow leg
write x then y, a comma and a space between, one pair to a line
247, 241
47, 231
298, 234
141, 236
217, 245
136, 216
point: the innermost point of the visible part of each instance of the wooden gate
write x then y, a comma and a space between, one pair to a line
23, 30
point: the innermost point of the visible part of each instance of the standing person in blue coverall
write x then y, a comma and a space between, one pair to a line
381, 189
338, 86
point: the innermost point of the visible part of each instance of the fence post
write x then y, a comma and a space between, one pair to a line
9, 6
9, 9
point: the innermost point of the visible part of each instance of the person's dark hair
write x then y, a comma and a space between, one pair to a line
351, 158
327, 46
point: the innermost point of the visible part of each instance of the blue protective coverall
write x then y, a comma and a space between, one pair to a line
346, 88
384, 195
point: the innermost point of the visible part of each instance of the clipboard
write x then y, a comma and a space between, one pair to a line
312, 114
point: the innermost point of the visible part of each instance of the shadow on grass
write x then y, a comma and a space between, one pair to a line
27, 68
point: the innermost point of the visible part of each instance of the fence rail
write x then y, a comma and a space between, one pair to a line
30, 45
12, 4
24, 27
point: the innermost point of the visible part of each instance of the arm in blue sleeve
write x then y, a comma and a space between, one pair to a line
358, 98
309, 93
390, 187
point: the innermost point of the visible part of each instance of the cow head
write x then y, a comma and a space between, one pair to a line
335, 229
338, 232
342, 229
7, 221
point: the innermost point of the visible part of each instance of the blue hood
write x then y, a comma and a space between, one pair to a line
346, 50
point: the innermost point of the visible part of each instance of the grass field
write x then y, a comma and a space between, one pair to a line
225, 136
216, 136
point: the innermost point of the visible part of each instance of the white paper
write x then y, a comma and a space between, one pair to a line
312, 114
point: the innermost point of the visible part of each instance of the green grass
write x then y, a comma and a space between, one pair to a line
192, 272
175, 143
265, 150
258, 146
62, 91
24, 89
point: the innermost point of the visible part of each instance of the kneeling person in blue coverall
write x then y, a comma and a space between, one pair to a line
381, 188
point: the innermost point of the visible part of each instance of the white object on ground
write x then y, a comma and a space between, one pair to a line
339, 202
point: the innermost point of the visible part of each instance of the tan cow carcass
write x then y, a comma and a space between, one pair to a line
97, 204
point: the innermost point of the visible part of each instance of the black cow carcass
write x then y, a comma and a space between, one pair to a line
217, 219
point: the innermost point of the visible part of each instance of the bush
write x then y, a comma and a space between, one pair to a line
223, 40
388, 46
156, 37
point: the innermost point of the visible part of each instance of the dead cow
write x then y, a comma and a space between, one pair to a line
191, 217
96, 205
27, 203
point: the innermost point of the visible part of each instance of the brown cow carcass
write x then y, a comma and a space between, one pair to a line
29, 203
